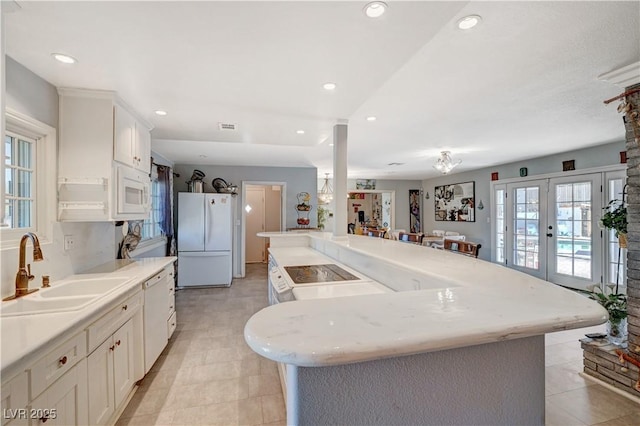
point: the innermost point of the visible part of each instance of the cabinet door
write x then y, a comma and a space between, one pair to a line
142, 149
124, 136
123, 371
101, 403
66, 400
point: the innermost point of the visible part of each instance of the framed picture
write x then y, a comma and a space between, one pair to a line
414, 211
365, 184
455, 202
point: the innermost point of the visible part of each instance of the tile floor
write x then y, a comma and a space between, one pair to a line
208, 375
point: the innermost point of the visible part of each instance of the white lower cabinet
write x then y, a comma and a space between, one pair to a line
65, 401
111, 374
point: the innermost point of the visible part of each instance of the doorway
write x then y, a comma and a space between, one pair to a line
549, 228
262, 211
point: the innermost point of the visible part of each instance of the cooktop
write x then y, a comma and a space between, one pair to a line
310, 274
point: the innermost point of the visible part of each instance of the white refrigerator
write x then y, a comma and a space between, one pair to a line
204, 239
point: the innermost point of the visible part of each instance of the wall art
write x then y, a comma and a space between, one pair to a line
365, 184
455, 202
414, 211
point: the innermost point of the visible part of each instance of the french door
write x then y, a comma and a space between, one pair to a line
547, 228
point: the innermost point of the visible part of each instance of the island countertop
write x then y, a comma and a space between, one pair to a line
456, 301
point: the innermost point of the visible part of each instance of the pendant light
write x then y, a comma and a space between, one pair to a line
326, 193
445, 164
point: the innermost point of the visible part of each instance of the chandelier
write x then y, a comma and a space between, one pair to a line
326, 193
445, 164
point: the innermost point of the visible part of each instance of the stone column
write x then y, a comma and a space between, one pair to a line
633, 217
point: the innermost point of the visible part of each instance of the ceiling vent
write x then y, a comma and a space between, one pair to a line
226, 126
395, 164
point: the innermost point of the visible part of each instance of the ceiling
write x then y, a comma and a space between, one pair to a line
522, 84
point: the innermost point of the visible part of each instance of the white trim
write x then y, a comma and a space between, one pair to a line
150, 244
243, 222
46, 173
624, 76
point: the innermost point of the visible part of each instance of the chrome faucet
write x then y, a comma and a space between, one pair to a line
24, 273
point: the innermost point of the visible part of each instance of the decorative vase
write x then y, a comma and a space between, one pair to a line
617, 331
622, 240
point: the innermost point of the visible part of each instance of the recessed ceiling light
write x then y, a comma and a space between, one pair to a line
65, 59
161, 112
469, 22
300, 132
375, 9
371, 118
329, 86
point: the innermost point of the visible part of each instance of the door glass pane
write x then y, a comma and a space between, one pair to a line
526, 245
617, 257
573, 229
500, 225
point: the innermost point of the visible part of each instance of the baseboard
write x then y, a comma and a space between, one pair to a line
610, 387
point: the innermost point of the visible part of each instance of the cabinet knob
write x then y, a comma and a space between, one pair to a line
171, 307
124, 308
62, 361
118, 343
44, 419
112, 348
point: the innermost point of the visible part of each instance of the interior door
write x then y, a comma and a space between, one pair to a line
574, 237
526, 243
255, 220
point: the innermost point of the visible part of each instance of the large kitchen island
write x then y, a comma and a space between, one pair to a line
458, 341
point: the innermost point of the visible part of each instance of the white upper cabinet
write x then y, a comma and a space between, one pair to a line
100, 139
132, 141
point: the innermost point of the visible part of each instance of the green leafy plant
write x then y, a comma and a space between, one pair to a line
322, 216
614, 303
615, 217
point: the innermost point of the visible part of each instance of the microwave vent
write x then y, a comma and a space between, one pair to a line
226, 126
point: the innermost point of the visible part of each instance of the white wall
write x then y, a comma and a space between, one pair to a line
480, 230
94, 242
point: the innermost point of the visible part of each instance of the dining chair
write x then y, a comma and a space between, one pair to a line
466, 248
379, 233
438, 232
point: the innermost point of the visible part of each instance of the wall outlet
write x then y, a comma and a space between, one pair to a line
69, 242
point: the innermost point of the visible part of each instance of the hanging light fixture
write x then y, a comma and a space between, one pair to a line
445, 164
326, 193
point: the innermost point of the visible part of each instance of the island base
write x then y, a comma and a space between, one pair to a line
498, 384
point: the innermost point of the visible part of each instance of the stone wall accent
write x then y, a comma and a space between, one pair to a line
602, 362
633, 216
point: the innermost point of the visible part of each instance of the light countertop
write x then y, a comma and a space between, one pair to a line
460, 301
23, 336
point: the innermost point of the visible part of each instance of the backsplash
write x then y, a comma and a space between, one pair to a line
94, 245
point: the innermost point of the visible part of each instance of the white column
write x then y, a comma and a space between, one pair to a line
340, 180
3, 92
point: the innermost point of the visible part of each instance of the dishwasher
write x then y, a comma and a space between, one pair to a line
156, 300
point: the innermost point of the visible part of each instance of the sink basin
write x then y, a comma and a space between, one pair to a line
81, 287
36, 305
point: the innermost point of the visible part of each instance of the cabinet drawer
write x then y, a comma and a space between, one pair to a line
57, 362
112, 320
172, 322
14, 398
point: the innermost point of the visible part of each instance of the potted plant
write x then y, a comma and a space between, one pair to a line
616, 305
615, 217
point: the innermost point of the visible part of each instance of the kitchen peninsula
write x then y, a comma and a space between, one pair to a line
459, 341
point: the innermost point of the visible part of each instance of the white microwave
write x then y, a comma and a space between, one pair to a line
132, 192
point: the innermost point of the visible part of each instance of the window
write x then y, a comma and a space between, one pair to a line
19, 179
151, 226
28, 179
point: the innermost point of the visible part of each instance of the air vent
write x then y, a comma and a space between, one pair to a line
226, 126
395, 164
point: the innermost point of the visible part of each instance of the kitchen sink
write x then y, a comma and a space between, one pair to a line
37, 305
81, 287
